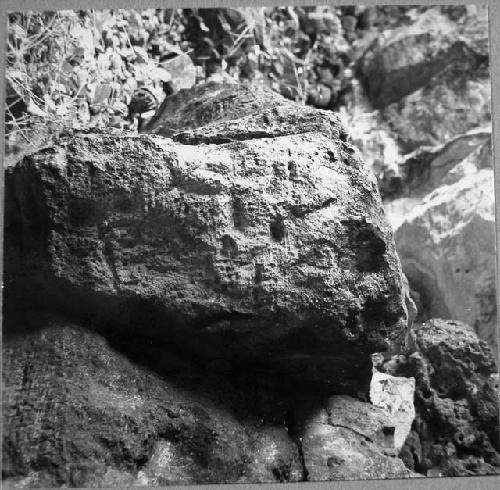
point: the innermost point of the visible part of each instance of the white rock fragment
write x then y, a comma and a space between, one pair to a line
395, 396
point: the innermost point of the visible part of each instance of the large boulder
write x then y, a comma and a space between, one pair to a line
456, 430
272, 250
447, 248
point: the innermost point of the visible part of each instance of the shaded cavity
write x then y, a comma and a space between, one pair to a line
368, 245
277, 228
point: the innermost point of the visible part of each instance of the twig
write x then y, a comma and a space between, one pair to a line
239, 41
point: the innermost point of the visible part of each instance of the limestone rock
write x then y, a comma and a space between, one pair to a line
456, 430
274, 250
79, 413
447, 248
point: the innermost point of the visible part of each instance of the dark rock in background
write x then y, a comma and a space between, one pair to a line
428, 79
431, 77
445, 108
456, 430
82, 414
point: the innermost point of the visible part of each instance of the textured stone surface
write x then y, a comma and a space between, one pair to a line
272, 250
456, 430
350, 440
447, 248
395, 396
79, 413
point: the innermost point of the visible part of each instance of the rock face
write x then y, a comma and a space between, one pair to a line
273, 250
447, 248
456, 431
80, 413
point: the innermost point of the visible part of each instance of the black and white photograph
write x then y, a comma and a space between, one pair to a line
248, 245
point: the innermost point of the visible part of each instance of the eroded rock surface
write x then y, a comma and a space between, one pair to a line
273, 250
447, 248
456, 430
80, 413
